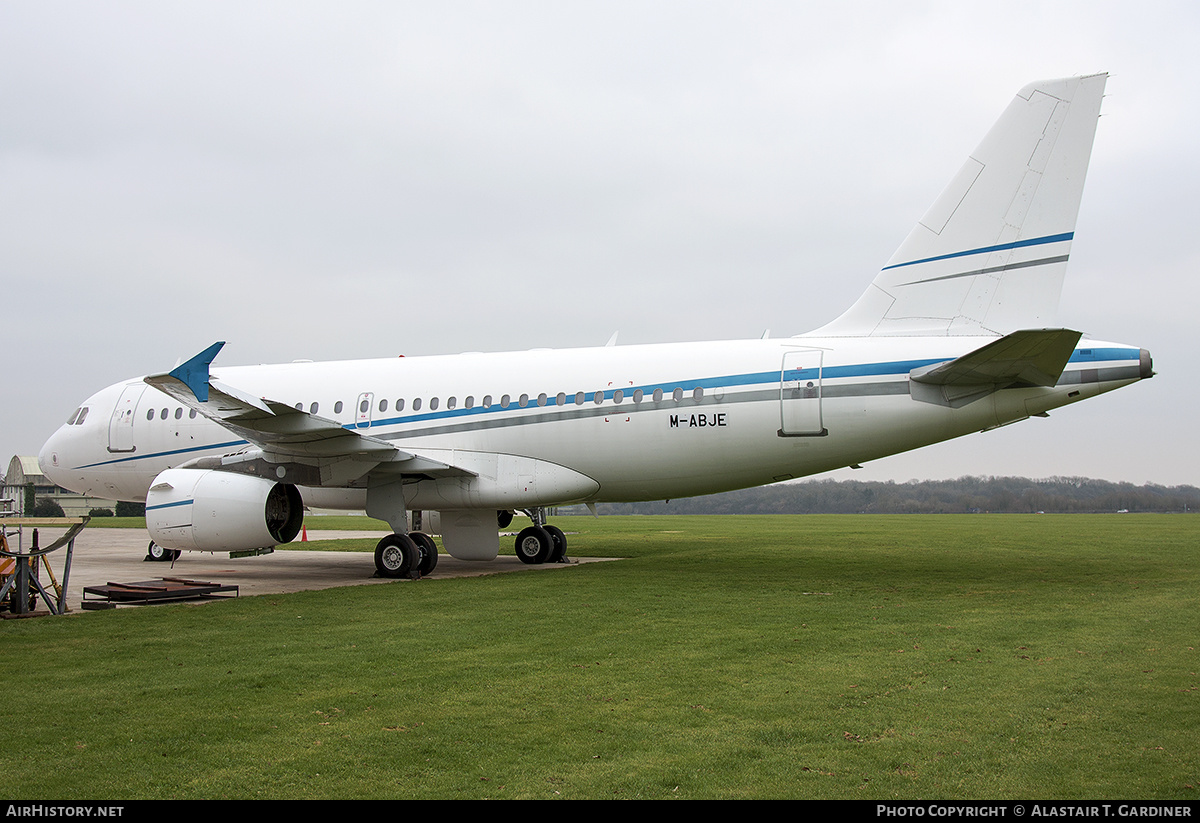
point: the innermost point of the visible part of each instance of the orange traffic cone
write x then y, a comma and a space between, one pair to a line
304, 534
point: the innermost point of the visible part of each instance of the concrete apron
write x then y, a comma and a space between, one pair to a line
104, 556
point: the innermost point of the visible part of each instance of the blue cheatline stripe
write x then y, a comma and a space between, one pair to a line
895, 367
170, 505
137, 457
1018, 244
1100, 355
727, 381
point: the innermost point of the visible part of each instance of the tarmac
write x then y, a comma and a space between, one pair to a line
104, 556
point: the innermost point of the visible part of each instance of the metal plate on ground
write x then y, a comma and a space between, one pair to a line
153, 591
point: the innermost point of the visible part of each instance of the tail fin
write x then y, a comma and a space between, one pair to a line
990, 254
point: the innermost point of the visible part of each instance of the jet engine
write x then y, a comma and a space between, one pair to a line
206, 510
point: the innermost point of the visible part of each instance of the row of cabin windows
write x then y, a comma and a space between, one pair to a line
543, 399
178, 414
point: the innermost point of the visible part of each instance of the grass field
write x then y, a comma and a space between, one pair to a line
938, 657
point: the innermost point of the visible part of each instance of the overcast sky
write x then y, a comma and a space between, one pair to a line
364, 179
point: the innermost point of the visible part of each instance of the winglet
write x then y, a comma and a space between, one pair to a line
194, 373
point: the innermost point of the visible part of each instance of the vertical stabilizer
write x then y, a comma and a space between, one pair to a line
990, 254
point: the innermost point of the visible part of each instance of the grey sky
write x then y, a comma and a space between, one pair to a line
359, 179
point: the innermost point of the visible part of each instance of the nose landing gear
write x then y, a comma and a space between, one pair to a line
157, 554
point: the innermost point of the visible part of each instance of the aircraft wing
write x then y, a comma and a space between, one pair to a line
275, 427
285, 435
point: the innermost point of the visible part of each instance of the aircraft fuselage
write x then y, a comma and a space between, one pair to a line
630, 422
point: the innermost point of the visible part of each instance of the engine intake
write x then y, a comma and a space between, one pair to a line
207, 510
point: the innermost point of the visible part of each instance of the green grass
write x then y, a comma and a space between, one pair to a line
986, 656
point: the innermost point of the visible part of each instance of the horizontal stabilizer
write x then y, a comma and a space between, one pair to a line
1031, 357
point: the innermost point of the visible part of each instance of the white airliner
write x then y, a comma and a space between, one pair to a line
955, 335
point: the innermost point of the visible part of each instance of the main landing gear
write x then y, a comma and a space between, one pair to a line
541, 543
403, 555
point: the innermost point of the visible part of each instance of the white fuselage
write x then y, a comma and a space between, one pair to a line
634, 422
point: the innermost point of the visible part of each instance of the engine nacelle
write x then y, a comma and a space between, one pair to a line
214, 511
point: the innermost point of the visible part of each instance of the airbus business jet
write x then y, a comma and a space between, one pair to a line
955, 335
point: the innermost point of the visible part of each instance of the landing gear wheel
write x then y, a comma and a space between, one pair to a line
534, 545
560, 544
158, 554
427, 550
396, 555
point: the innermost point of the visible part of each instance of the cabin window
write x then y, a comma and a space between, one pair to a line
400, 405
504, 401
179, 413
560, 399
542, 399
416, 404
433, 403
313, 406
451, 402
487, 401
162, 415
469, 402
698, 394
149, 414
299, 407
637, 396
677, 395
618, 396
192, 413
383, 405
580, 397
524, 401
658, 395
337, 407
598, 398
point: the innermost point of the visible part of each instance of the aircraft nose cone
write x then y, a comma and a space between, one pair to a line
48, 456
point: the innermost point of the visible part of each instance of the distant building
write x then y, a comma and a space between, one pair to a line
25, 470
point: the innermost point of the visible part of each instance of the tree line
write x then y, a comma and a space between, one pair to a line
963, 495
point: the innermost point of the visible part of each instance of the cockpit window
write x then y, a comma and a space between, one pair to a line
71, 419
82, 416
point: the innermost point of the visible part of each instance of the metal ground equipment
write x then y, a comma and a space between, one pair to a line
20, 585
166, 589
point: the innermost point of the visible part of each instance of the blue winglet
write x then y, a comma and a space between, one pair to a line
194, 373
